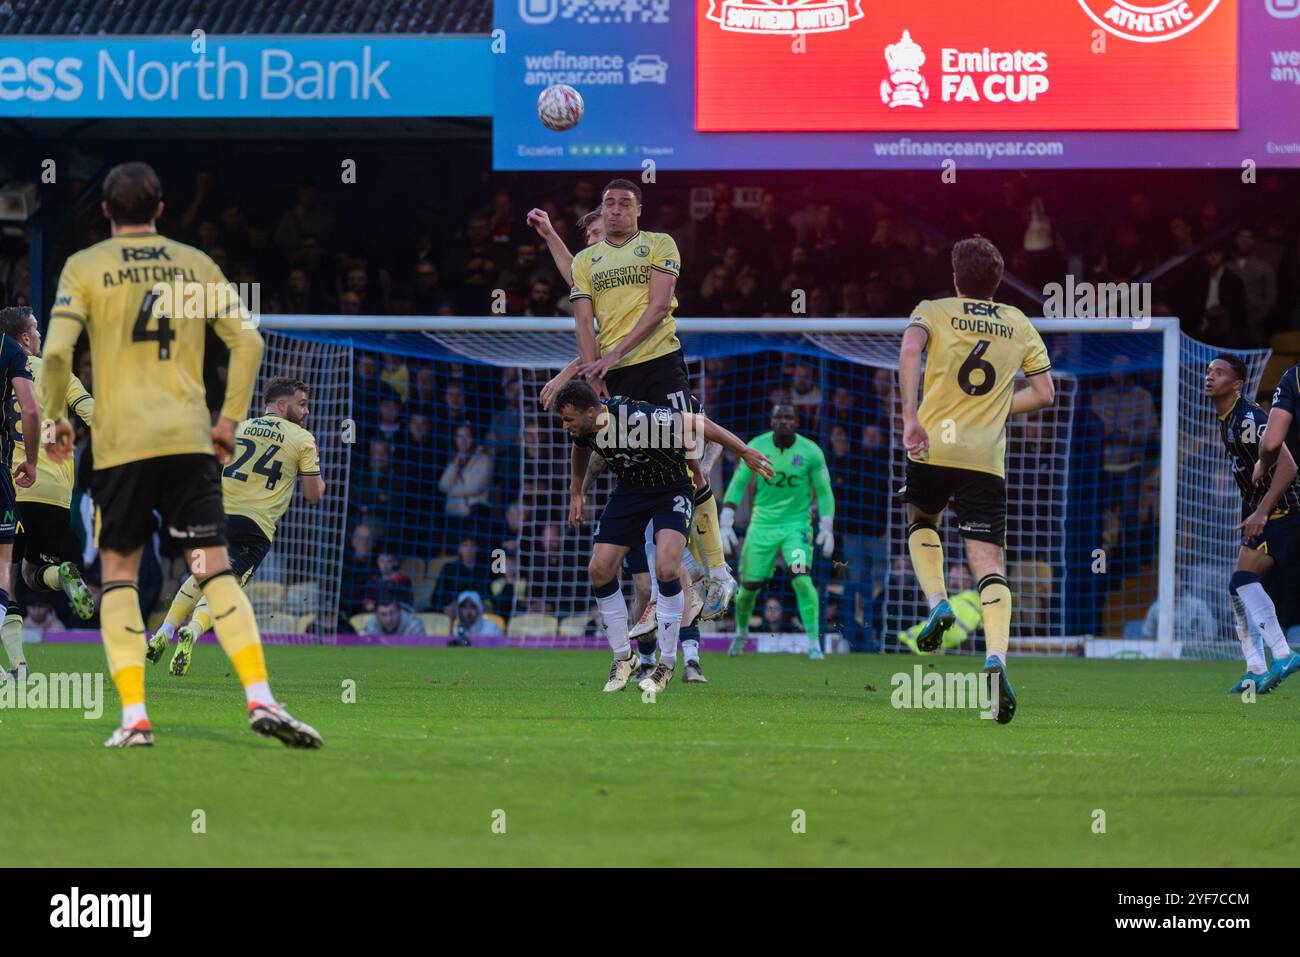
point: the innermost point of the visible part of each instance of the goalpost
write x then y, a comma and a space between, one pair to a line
1104, 515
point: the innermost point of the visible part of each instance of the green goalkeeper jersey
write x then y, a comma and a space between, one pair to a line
787, 498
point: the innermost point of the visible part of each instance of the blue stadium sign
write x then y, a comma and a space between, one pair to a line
343, 76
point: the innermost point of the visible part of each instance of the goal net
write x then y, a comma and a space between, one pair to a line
459, 481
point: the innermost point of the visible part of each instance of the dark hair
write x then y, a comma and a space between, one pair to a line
586, 219
282, 386
1234, 360
977, 266
626, 184
132, 192
577, 393
14, 320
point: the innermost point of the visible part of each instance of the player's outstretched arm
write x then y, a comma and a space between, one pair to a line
233, 325
553, 386
540, 221
909, 383
1040, 394
695, 425
1283, 476
1270, 443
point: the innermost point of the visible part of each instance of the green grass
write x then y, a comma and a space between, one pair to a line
708, 775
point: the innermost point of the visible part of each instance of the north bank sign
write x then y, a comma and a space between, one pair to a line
358, 76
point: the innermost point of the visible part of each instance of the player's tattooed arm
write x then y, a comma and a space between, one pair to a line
693, 425
1283, 476
581, 459
595, 468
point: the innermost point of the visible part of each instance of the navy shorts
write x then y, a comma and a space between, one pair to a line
8, 508
628, 511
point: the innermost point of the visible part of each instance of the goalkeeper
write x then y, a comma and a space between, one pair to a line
780, 522
965, 603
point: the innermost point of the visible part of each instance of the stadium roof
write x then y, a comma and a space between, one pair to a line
225, 17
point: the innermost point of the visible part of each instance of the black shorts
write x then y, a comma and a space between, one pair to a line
663, 381
45, 535
1278, 540
980, 498
185, 489
248, 546
8, 508
628, 511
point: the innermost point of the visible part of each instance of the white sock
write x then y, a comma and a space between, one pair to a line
166, 629
935, 599
133, 714
613, 609
1252, 648
670, 621
690, 649
259, 692
13, 642
1263, 615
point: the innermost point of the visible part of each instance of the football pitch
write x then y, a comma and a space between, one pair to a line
491, 757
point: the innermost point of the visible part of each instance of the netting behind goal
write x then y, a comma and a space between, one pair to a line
296, 589
459, 483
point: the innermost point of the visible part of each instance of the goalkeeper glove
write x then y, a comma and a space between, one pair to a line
825, 537
726, 527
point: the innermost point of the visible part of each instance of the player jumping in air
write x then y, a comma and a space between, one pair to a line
154, 441
781, 522
46, 552
646, 446
15, 387
272, 450
637, 563
623, 301
956, 440
1270, 524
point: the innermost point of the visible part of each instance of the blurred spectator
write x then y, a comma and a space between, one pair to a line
466, 483
775, 620
1259, 279
391, 619
509, 589
377, 490
389, 582
306, 218
470, 622
1126, 412
1220, 300
357, 569
464, 573
396, 375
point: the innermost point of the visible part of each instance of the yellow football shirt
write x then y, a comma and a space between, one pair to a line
616, 278
270, 454
975, 349
54, 480
145, 300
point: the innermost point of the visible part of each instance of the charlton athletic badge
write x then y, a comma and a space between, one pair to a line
791, 17
1148, 22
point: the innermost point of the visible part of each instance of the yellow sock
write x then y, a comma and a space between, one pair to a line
11, 636
995, 606
202, 618
236, 627
123, 629
187, 596
50, 578
705, 524
926, 549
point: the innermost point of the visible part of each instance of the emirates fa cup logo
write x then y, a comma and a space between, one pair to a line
792, 17
905, 85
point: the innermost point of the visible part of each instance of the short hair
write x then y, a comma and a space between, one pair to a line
132, 192
587, 218
626, 184
282, 386
977, 266
14, 320
577, 393
1234, 360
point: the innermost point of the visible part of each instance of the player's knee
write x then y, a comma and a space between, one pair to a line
601, 571
667, 567
1240, 579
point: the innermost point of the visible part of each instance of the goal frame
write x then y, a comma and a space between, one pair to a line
1166, 327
